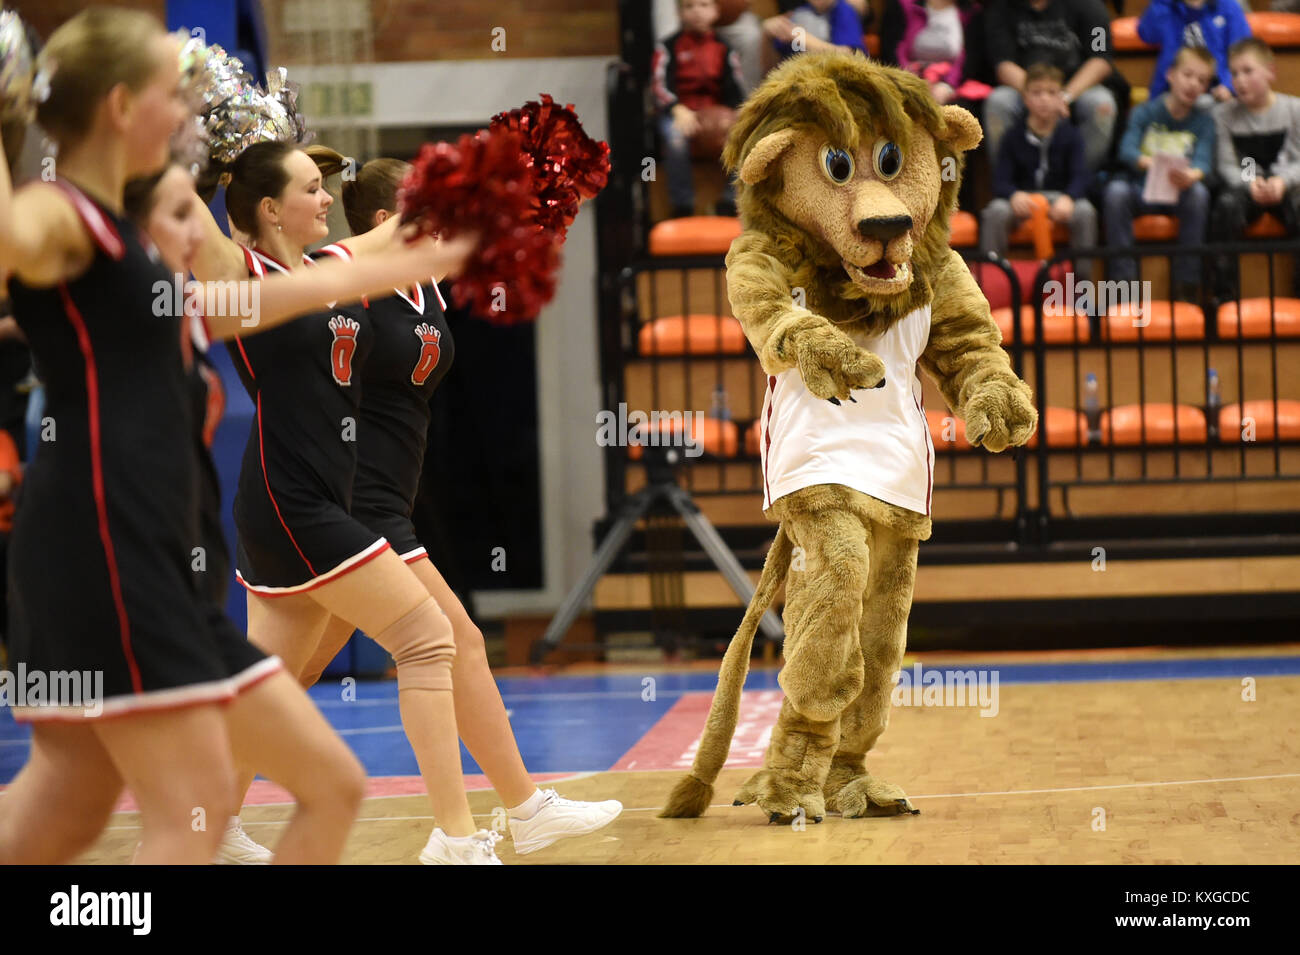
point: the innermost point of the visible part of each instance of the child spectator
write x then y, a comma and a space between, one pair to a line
1073, 35
1213, 24
933, 43
1171, 123
817, 25
1258, 155
693, 70
1042, 154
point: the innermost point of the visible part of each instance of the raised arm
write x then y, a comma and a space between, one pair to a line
281, 297
785, 334
966, 359
219, 258
42, 240
377, 240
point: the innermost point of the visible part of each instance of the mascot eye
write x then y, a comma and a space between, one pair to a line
888, 159
837, 164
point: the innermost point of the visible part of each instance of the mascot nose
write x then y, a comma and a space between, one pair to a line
886, 228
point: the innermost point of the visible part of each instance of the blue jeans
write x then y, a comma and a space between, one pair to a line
677, 166
1124, 201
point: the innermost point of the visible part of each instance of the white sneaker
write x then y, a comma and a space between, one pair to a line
560, 818
478, 849
238, 849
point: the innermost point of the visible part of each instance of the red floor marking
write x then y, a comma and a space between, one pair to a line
671, 743
264, 793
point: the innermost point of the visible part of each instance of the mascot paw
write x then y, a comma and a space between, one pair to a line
831, 365
867, 796
1000, 416
782, 795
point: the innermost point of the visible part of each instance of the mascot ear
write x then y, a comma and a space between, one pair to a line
765, 152
963, 130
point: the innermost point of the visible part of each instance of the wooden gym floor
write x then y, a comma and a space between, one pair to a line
1120, 756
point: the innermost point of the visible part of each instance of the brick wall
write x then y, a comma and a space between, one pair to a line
423, 29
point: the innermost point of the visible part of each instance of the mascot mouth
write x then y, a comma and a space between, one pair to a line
881, 275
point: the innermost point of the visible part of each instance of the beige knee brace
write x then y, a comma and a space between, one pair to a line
422, 645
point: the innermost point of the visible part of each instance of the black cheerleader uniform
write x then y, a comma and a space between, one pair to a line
295, 483
101, 573
412, 352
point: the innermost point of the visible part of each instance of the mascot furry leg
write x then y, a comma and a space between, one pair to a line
847, 602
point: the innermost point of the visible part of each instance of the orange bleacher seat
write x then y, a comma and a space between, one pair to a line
1259, 317
692, 334
1183, 320
1058, 327
753, 434
1065, 428
965, 229
1285, 423
1124, 35
1024, 233
694, 235
938, 421
1155, 228
1124, 425
1275, 29
718, 438
1267, 226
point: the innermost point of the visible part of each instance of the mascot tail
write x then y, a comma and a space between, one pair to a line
694, 792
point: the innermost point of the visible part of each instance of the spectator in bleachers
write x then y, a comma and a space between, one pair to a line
693, 71
1073, 35
818, 25
1258, 156
1213, 24
933, 43
1042, 154
1170, 124
744, 34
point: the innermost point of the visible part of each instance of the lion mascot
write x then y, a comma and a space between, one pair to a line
844, 283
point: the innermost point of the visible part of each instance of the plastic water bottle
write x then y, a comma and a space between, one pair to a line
1092, 408
720, 410
1213, 402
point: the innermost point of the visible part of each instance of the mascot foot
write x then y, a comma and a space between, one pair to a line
867, 796
782, 795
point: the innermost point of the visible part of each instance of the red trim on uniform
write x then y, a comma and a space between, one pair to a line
239, 342
97, 481
338, 250
412, 557
767, 433
438, 292
929, 467
101, 229
261, 453
326, 578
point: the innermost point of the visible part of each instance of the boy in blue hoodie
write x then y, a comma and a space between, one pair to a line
1213, 24
1171, 123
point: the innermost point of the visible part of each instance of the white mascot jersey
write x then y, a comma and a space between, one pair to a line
879, 445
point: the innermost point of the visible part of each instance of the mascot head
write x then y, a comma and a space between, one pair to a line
853, 169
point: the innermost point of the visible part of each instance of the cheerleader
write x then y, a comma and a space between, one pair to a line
412, 351
100, 577
299, 757
301, 556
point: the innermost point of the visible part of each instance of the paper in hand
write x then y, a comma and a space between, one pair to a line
1159, 189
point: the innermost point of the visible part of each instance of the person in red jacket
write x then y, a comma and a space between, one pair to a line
692, 74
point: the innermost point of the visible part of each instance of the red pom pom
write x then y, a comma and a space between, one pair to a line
485, 183
568, 165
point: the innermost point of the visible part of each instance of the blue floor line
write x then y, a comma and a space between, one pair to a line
586, 723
